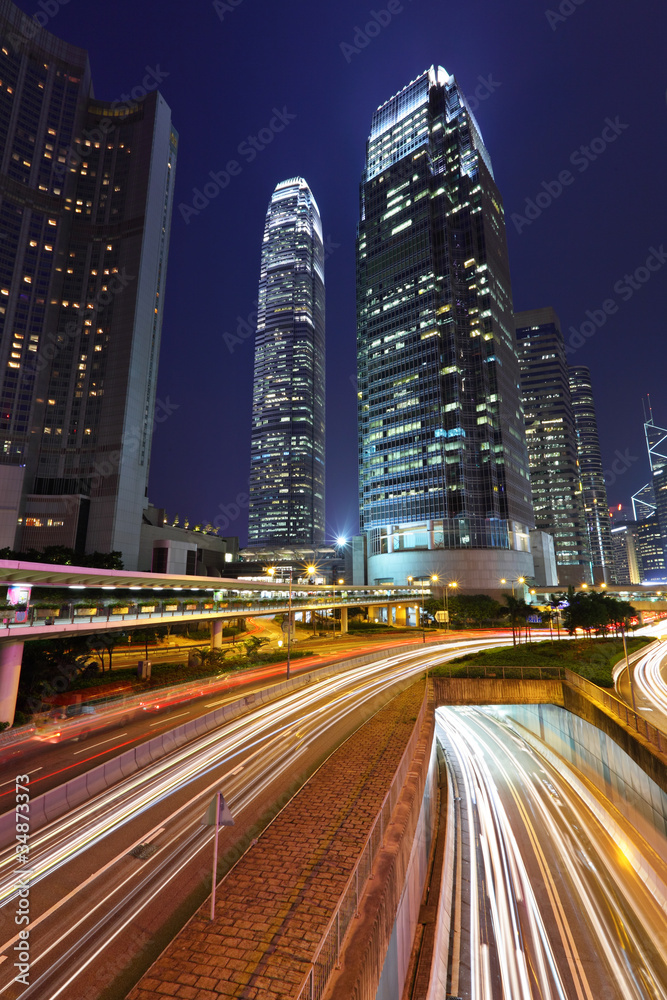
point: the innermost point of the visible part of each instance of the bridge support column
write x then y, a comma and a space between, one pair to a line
216, 633
343, 621
401, 616
11, 655
417, 615
373, 613
390, 614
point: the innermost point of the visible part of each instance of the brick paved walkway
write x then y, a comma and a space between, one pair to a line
273, 907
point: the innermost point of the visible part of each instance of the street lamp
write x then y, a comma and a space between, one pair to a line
520, 579
289, 622
333, 612
421, 610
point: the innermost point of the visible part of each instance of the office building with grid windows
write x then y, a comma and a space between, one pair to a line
551, 433
594, 491
443, 465
86, 191
286, 507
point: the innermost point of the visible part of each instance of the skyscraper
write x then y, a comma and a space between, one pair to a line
555, 475
86, 192
596, 506
287, 451
656, 442
443, 466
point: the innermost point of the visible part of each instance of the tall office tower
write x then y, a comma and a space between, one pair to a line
626, 564
287, 450
444, 484
656, 442
551, 433
594, 494
85, 211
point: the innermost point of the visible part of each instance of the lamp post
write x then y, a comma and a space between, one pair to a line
341, 581
520, 579
289, 622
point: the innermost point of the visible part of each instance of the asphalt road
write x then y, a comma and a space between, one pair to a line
95, 908
547, 905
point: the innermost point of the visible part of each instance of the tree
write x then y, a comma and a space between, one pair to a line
518, 612
253, 644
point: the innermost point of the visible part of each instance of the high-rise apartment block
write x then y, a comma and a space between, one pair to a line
86, 191
594, 491
444, 485
555, 474
287, 451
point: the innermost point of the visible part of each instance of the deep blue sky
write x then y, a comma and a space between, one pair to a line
554, 84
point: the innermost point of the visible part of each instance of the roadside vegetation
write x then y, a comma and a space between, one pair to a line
592, 659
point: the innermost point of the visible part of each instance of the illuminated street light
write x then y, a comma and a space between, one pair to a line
519, 579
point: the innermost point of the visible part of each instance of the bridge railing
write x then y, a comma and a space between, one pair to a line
128, 611
619, 710
327, 955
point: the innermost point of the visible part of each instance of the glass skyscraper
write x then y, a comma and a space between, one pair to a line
444, 483
287, 452
594, 491
86, 191
555, 474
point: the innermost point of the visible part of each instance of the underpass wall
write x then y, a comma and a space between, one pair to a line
600, 759
374, 960
494, 691
627, 739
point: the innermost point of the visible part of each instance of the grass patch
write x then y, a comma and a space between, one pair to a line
593, 659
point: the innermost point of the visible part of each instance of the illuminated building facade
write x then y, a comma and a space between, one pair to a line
287, 451
86, 192
443, 467
594, 491
555, 475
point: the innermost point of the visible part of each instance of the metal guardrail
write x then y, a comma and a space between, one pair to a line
327, 955
523, 673
620, 711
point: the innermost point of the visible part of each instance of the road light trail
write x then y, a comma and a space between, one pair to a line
568, 918
246, 754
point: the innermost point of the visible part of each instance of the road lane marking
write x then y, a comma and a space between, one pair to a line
162, 721
92, 747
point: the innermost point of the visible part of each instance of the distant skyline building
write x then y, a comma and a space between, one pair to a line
656, 443
86, 190
287, 471
444, 484
596, 505
555, 474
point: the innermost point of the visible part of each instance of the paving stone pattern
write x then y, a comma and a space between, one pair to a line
274, 906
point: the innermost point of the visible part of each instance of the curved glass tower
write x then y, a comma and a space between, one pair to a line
444, 484
287, 452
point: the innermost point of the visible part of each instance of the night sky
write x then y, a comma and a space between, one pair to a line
548, 80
